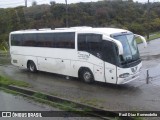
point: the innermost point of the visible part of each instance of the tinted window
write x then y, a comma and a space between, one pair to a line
82, 46
16, 40
29, 40
64, 40
90, 43
54, 40
94, 42
109, 52
45, 40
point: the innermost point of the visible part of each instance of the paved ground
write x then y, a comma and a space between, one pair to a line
9, 102
136, 95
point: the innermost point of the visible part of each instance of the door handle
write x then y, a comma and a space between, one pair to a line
45, 58
62, 61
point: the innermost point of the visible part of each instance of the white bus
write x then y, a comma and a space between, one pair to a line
93, 54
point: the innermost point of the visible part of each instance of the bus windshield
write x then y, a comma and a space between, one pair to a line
130, 48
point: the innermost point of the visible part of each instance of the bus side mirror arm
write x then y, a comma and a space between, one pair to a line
143, 39
118, 43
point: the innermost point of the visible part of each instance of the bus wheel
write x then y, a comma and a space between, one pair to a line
86, 75
32, 66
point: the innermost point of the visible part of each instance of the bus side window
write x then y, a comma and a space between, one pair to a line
44, 40
16, 40
82, 46
90, 43
29, 40
40, 40
64, 40
48, 40
94, 42
109, 52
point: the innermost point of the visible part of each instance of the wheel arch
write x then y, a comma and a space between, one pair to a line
29, 59
31, 66
84, 68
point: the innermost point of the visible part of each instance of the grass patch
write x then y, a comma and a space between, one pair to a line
4, 81
65, 106
154, 35
69, 106
92, 102
9, 91
151, 37
40, 95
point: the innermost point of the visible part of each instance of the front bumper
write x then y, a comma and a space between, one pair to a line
128, 79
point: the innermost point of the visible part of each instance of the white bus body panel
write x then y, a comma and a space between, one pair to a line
61, 61
110, 73
46, 59
95, 64
133, 71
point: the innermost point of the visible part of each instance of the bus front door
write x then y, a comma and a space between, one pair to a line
110, 73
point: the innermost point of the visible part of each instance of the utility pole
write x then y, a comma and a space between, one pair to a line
25, 3
148, 20
66, 13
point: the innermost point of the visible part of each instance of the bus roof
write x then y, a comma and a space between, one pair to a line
82, 29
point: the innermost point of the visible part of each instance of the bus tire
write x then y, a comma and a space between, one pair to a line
31, 66
86, 75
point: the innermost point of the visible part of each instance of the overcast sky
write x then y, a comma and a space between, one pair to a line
13, 3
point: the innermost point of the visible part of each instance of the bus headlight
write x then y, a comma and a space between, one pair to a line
124, 75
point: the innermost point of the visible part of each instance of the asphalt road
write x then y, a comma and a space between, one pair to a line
136, 95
